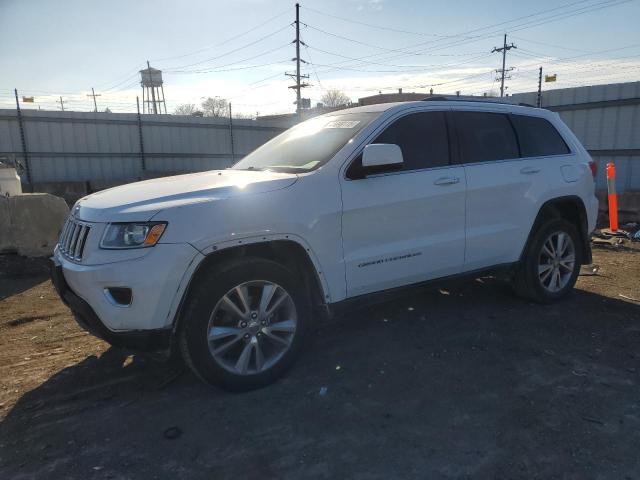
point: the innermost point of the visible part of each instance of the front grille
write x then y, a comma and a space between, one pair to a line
73, 238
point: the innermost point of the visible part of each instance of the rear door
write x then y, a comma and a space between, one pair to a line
502, 188
402, 227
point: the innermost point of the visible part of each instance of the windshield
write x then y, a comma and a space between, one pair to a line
307, 145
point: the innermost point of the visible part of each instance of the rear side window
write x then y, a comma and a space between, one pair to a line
485, 137
422, 137
538, 137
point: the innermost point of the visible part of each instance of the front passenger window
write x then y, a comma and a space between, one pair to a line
422, 137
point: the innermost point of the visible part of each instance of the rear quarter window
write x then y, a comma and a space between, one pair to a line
538, 137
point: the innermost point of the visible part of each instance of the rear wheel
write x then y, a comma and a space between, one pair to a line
244, 324
551, 264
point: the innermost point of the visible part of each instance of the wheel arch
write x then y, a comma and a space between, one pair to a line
570, 208
287, 250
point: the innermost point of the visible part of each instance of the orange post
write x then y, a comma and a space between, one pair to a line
613, 197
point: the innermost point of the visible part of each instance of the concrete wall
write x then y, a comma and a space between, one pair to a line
80, 147
30, 223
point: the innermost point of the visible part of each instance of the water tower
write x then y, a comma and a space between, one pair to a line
152, 90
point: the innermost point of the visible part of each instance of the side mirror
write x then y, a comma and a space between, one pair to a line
381, 155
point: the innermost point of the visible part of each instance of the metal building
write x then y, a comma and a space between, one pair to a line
82, 146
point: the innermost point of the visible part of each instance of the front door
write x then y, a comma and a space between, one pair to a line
407, 226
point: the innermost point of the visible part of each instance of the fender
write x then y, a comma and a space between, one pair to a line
252, 240
554, 206
223, 245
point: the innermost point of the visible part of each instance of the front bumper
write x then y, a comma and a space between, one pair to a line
157, 280
145, 340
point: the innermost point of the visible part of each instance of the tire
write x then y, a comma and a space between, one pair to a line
536, 278
246, 326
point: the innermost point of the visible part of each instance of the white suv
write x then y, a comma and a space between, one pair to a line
233, 267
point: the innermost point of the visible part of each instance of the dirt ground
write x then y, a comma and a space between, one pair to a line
461, 380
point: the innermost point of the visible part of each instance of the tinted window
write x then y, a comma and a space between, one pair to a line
422, 137
538, 137
485, 137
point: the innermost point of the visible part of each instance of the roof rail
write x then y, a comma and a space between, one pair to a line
456, 98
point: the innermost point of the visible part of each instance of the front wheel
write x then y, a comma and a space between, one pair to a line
244, 323
551, 264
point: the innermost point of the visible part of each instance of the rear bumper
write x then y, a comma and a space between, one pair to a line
144, 340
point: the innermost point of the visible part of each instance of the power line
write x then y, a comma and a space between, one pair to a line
234, 50
126, 80
522, 26
422, 68
475, 38
427, 85
214, 68
380, 63
394, 50
252, 29
380, 27
313, 67
564, 47
562, 61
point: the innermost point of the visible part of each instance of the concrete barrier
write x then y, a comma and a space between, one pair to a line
30, 223
70, 191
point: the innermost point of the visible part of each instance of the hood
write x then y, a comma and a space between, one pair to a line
140, 201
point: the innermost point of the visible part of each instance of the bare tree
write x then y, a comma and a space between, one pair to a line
215, 107
335, 98
185, 109
244, 116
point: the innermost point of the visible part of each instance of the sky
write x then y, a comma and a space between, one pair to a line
241, 49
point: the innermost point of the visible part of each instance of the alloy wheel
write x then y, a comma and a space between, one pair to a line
251, 327
556, 262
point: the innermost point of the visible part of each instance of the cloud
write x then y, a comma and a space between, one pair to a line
274, 96
375, 5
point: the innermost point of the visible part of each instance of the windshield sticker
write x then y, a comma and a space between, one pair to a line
342, 124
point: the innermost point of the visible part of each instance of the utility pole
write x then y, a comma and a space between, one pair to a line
298, 86
142, 159
61, 102
504, 49
94, 95
539, 103
233, 149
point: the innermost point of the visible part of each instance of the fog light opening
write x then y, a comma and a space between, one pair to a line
119, 296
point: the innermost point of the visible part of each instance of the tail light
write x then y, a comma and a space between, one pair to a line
594, 168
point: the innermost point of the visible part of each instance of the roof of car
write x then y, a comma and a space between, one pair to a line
434, 101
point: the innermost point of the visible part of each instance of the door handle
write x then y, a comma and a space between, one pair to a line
529, 170
446, 181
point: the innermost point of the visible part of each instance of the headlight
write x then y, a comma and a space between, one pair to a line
132, 235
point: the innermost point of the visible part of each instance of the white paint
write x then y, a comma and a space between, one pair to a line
383, 231
376, 155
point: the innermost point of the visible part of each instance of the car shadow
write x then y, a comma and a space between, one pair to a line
458, 379
18, 274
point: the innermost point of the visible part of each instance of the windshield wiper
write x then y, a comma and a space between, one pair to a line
250, 168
